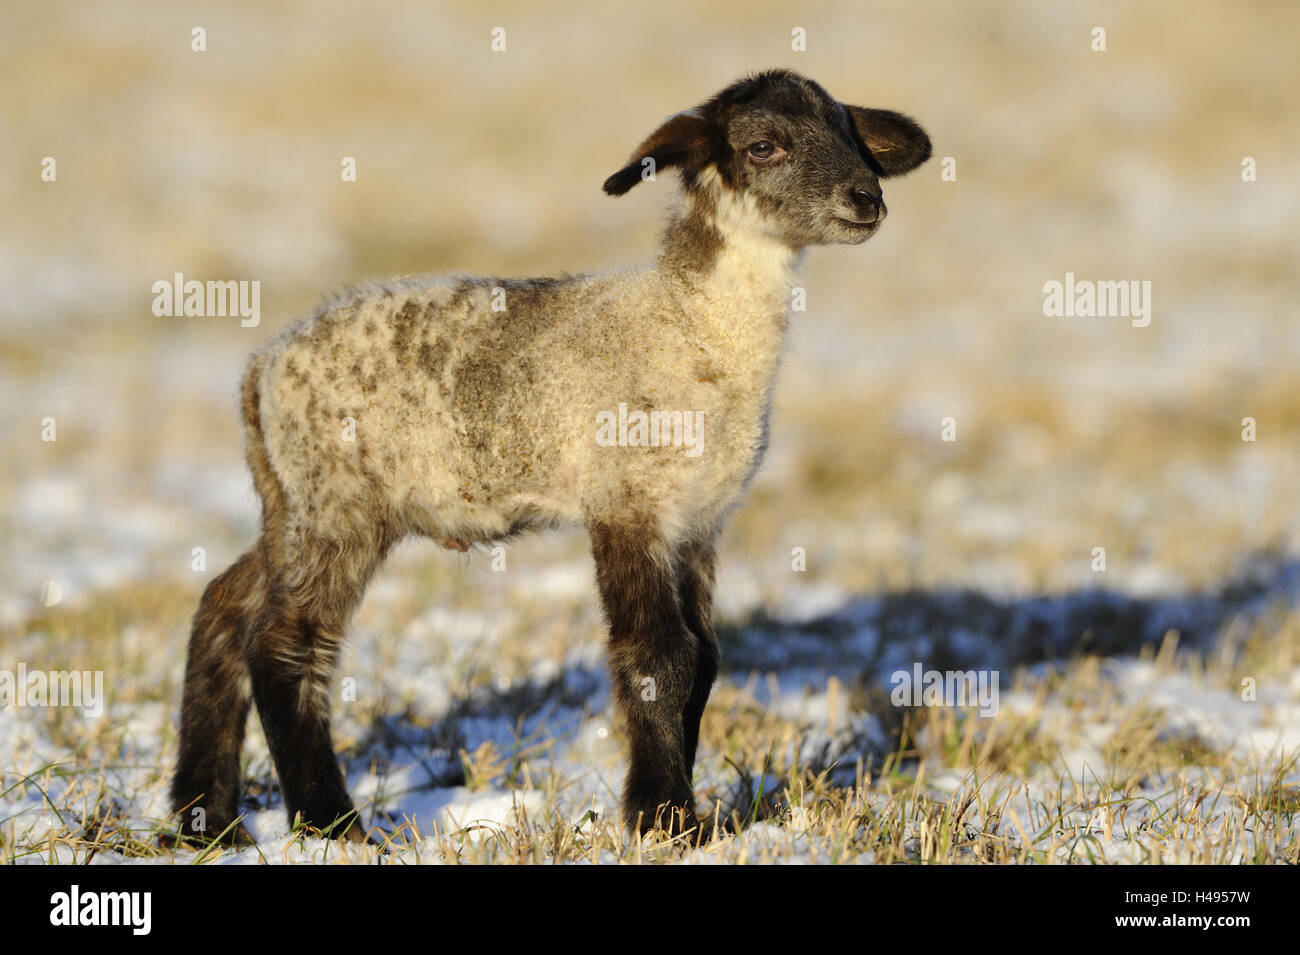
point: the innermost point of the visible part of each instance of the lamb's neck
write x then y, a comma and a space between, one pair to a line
733, 281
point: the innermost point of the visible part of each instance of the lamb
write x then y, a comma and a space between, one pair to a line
467, 410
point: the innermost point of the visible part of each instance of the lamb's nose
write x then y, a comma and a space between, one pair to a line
870, 203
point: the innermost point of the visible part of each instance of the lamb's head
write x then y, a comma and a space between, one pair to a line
776, 154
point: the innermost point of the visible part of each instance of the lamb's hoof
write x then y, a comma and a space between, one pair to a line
360, 837
667, 821
713, 827
346, 827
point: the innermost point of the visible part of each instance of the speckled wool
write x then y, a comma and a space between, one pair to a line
469, 409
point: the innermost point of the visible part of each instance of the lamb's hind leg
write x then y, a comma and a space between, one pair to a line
653, 659
291, 654
214, 708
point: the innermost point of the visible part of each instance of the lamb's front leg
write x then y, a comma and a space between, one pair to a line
653, 657
697, 561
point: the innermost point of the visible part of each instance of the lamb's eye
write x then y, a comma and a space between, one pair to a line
763, 149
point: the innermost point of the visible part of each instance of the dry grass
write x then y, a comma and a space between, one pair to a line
945, 786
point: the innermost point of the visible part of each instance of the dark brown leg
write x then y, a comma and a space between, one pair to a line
697, 561
214, 709
291, 653
653, 658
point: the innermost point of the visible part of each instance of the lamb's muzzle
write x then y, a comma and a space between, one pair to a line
467, 410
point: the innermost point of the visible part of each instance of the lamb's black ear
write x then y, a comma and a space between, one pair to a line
683, 140
897, 143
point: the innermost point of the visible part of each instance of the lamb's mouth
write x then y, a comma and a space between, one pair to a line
858, 224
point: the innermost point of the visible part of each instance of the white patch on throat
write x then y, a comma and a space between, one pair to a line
751, 258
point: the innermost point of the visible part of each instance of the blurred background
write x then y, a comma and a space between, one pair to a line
1072, 433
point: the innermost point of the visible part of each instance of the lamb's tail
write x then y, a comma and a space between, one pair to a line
265, 480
